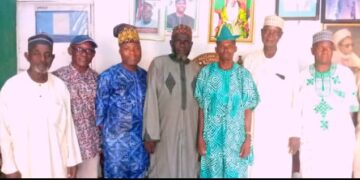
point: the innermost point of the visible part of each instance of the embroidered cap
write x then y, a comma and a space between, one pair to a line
324, 35
181, 29
126, 33
340, 35
274, 20
226, 32
81, 39
40, 39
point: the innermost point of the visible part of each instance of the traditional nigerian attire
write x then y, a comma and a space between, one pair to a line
274, 119
38, 136
82, 88
171, 118
326, 100
224, 95
119, 112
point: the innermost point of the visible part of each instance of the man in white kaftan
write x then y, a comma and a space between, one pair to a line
37, 134
274, 119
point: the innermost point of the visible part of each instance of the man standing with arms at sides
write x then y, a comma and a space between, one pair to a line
274, 118
171, 111
37, 133
179, 17
119, 109
81, 82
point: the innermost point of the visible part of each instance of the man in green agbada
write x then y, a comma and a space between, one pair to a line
226, 94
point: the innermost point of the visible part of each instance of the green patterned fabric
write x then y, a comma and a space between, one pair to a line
224, 95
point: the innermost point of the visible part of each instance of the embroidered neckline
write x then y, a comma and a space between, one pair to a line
322, 75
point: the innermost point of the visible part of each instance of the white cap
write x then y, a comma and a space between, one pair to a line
324, 35
274, 20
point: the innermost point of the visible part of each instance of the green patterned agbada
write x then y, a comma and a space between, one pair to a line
224, 95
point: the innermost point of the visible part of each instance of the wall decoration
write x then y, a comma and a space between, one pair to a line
298, 9
340, 11
147, 15
240, 13
189, 14
353, 28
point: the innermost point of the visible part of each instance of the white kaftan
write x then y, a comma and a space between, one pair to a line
274, 119
327, 133
37, 132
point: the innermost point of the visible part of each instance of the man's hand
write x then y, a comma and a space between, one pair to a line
201, 146
245, 148
294, 145
71, 172
150, 146
14, 175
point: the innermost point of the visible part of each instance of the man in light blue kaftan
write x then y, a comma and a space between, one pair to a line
224, 91
119, 110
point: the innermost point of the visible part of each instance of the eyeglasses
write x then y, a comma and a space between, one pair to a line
80, 50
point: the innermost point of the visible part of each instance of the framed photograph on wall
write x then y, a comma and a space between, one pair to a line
240, 13
353, 28
340, 11
298, 9
147, 15
181, 12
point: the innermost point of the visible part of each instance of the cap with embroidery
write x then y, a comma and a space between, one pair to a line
226, 32
181, 29
40, 39
324, 35
340, 35
126, 33
81, 39
274, 20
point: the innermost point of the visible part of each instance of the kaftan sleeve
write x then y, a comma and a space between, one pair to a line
151, 122
295, 120
250, 92
102, 99
199, 87
8, 161
351, 91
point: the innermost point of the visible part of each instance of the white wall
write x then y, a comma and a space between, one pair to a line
108, 13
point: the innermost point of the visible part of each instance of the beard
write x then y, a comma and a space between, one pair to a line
41, 70
181, 57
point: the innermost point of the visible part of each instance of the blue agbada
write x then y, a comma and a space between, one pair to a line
119, 111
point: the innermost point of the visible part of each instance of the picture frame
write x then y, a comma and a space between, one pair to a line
147, 15
190, 15
353, 28
340, 11
246, 28
298, 10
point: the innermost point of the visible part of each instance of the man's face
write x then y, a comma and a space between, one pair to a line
346, 46
40, 58
270, 35
226, 49
322, 52
181, 44
82, 54
147, 13
130, 53
180, 6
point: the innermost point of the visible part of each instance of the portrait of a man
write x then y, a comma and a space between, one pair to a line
146, 16
180, 15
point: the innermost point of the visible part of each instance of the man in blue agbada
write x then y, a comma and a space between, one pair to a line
119, 109
226, 94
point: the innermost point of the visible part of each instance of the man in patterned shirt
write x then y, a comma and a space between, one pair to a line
81, 82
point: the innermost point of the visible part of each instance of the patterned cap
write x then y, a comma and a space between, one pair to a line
324, 35
40, 39
126, 33
274, 20
181, 29
226, 32
340, 35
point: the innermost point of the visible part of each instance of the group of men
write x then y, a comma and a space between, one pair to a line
240, 120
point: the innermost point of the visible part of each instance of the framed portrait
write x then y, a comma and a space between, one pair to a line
63, 22
340, 11
181, 12
353, 28
147, 15
298, 9
239, 13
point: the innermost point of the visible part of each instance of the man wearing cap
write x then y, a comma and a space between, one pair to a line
171, 111
81, 82
274, 119
226, 94
327, 101
145, 20
37, 133
179, 17
119, 109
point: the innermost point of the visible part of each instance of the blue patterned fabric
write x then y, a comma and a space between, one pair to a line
119, 111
